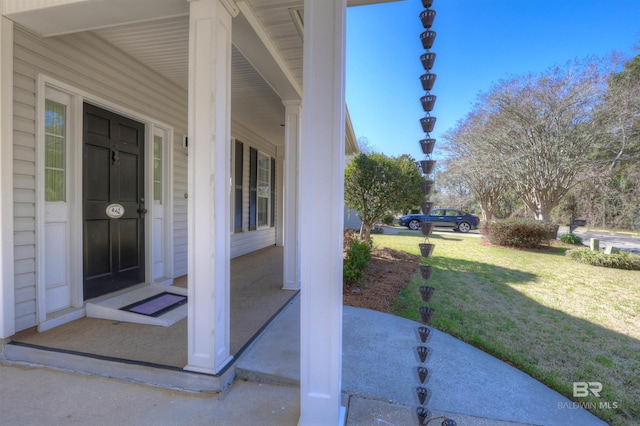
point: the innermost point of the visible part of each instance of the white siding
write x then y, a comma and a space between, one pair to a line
24, 105
91, 65
180, 193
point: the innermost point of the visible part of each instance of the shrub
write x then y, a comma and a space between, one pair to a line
358, 256
571, 238
388, 219
350, 235
620, 260
518, 232
376, 230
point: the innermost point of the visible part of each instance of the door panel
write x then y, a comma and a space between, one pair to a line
113, 173
128, 231
98, 256
98, 177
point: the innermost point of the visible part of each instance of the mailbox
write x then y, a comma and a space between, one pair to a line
575, 223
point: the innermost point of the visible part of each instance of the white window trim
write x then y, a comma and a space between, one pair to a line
268, 225
167, 200
232, 187
72, 160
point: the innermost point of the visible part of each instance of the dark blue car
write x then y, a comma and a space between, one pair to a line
445, 218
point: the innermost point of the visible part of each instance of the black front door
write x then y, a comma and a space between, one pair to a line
113, 202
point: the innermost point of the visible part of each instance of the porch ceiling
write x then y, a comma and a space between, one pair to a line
266, 59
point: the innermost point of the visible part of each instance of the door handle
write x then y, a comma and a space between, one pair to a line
141, 210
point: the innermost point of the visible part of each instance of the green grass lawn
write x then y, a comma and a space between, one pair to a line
558, 320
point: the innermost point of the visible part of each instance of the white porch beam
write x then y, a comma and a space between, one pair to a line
252, 40
209, 192
322, 196
293, 117
7, 295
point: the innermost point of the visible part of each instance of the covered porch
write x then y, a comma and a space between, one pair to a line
257, 297
75, 55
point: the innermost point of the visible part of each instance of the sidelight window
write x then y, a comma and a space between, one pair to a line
55, 151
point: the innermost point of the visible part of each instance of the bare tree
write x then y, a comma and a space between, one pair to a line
619, 115
541, 131
471, 159
452, 189
609, 193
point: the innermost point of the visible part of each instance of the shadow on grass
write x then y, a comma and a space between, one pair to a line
477, 303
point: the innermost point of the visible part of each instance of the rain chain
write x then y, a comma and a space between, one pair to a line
426, 166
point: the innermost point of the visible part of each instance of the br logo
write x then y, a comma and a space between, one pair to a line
582, 389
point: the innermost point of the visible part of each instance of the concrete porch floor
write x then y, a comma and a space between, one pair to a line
256, 296
378, 385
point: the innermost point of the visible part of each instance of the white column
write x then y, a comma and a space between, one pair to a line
209, 192
321, 212
293, 116
7, 298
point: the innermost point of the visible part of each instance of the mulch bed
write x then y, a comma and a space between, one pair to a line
388, 272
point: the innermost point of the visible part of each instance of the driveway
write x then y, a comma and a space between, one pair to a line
393, 230
626, 242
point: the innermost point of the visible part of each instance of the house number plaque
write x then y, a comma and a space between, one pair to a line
115, 211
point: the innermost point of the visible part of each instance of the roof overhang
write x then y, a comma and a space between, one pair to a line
267, 34
56, 17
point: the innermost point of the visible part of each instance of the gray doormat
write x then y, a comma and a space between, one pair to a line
157, 305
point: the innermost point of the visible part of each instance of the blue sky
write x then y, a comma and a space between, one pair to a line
477, 44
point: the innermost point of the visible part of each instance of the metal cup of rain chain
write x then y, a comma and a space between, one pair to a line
423, 395
423, 353
428, 80
424, 333
427, 17
423, 374
426, 207
426, 271
427, 3
425, 314
426, 292
426, 249
427, 166
423, 416
428, 59
426, 228
426, 186
448, 422
428, 102
427, 145
428, 123
427, 38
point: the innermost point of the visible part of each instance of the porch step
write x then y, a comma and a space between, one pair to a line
109, 307
125, 370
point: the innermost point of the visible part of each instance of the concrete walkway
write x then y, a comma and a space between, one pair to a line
379, 381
